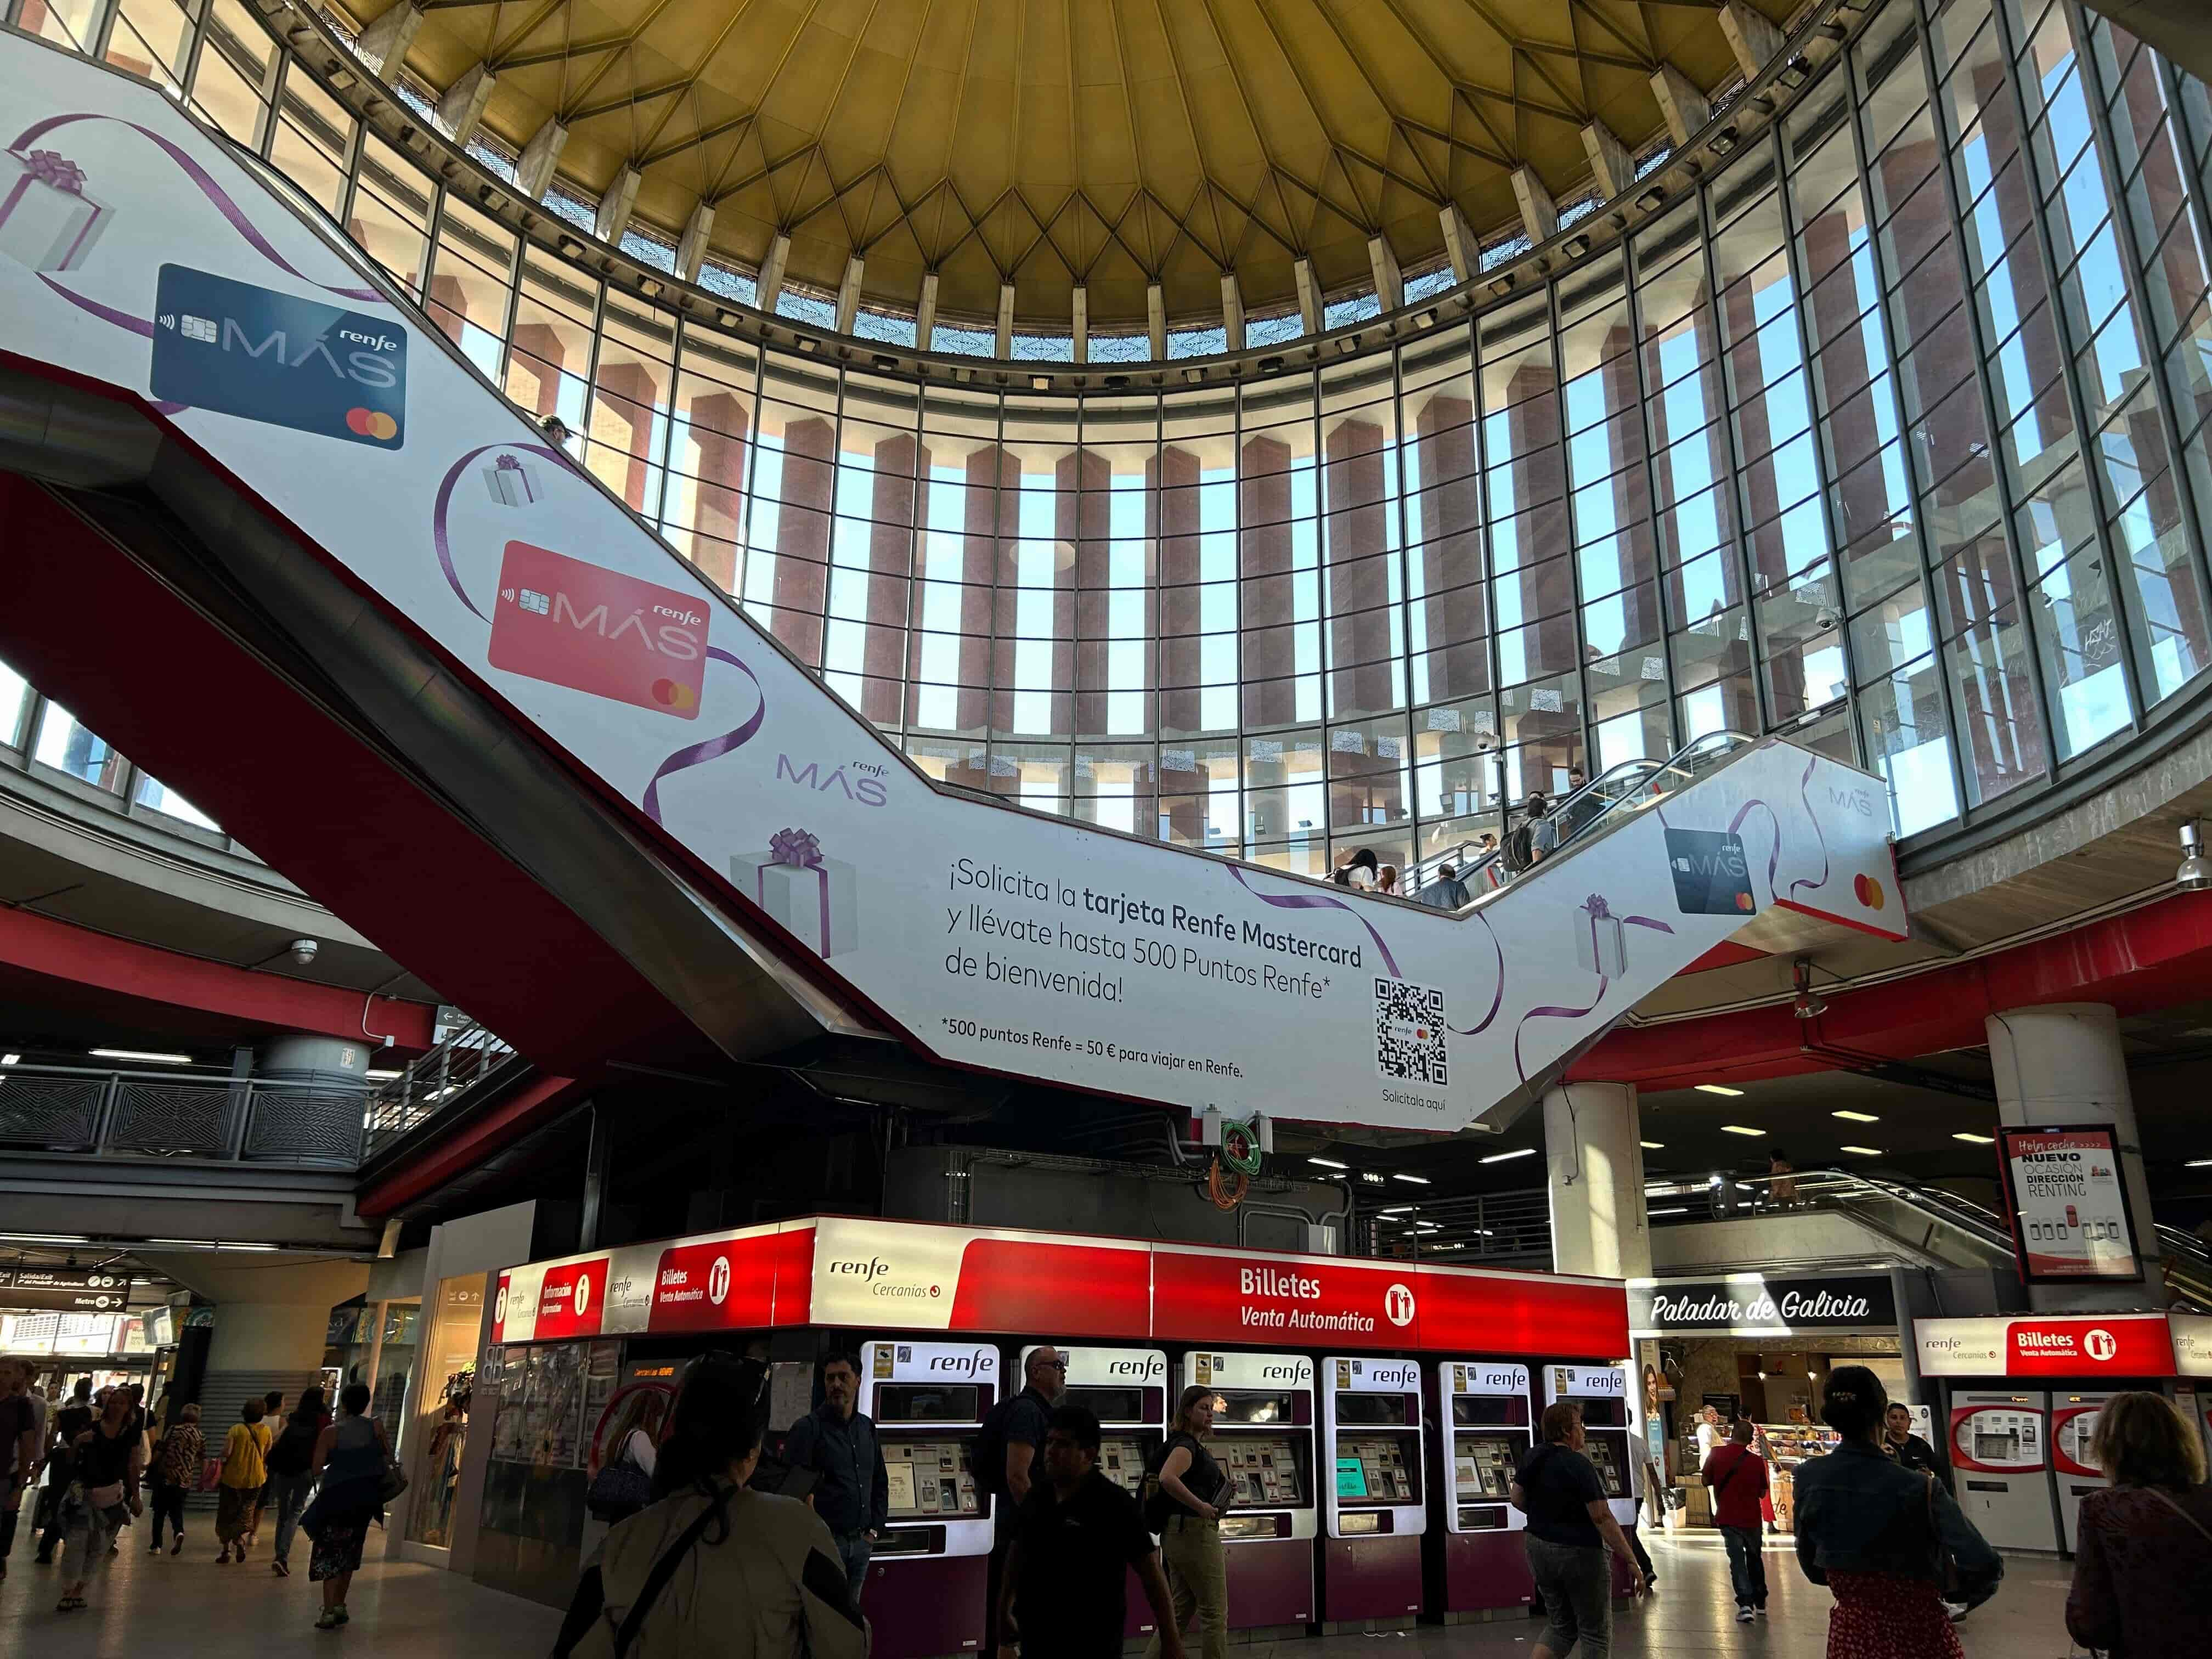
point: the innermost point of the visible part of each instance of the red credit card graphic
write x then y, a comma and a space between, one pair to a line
593, 630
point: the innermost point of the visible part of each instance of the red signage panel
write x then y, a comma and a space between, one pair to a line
1287, 1302
2086, 1344
1103, 1291
572, 1299
722, 1285
1481, 1313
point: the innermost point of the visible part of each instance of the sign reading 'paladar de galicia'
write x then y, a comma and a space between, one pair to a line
1751, 1305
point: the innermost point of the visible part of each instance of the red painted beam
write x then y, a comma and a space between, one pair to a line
2148, 959
534, 1103
166, 989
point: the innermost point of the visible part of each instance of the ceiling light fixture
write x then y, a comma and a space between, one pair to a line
2198, 1163
382, 1077
1328, 1163
1856, 1117
1653, 1145
2195, 874
150, 1056
1805, 1005
1419, 1181
1518, 1151
1740, 1129
1397, 1209
1717, 1089
44, 1238
1978, 1140
1671, 1209
1865, 1152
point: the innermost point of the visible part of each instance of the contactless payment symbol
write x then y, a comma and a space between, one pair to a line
237, 348
599, 631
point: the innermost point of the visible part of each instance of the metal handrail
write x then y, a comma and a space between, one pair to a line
113, 1112
399, 1104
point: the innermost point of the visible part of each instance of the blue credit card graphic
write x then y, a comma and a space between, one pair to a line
253, 352
1711, 875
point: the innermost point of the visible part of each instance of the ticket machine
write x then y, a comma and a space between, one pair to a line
928, 1579
1476, 1560
1610, 1429
2073, 1467
1127, 1389
2001, 1464
1373, 1511
1263, 1436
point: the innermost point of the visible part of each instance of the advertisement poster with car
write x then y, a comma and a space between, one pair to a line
2070, 1204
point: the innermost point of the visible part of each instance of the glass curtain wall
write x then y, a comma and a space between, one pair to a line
1889, 435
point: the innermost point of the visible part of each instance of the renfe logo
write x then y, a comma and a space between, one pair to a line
571, 623
1297, 1371
1152, 1366
962, 1365
1404, 1375
870, 1271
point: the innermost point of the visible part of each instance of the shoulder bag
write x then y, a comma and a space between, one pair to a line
2163, 1498
590, 1606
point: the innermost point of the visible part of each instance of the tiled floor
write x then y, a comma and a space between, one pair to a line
187, 1607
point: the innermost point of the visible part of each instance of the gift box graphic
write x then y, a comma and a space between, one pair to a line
802, 891
46, 221
1601, 942
511, 483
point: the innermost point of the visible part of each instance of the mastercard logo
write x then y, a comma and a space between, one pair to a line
669, 694
1869, 892
371, 423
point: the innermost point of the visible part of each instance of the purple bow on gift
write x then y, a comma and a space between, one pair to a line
801, 848
51, 167
508, 463
1598, 908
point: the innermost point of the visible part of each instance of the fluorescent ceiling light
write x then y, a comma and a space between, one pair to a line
1325, 1163
1419, 1181
1740, 1129
11, 1059
148, 1055
1978, 1140
45, 1238
1653, 1145
2198, 1163
1500, 1158
1397, 1209
1865, 1152
383, 1077
1672, 1209
1856, 1117
1717, 1088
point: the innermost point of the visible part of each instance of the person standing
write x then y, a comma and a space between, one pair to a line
1876, 1534
349, 1455
2143, 1567
838, 1441
1446, 892
176, 1471
292, 1472
1014, 1431
272, 1414
1736, 1476
1781, 1179
1639, 1477
1711, 1436
1907, 1450
1570, 1527
1190, 1543
22, 1443
245, 1472
70, 1421
105, 1465
1065, 1594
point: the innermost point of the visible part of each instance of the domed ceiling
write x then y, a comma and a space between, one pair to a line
1109, 142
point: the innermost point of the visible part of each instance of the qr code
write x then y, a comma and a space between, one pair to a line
1409, 1031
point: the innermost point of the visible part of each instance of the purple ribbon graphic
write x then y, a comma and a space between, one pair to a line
51, 167
507, 464
1819, 835
698, 754
800, 846
1319, 901
1596, 906
439, 539
1497, 997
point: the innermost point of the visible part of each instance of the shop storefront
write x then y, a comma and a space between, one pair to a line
1757, 1348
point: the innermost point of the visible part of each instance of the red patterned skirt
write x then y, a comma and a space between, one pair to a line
1879, 1616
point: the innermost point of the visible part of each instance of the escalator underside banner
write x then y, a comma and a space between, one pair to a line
140, 255
904, 1275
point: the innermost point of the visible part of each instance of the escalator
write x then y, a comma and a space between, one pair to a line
241, 453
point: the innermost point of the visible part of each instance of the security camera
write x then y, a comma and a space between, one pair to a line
1827, 617
2195, 874
303, 950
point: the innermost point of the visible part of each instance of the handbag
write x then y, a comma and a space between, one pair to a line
391, 1482
620, 1489
105, 1497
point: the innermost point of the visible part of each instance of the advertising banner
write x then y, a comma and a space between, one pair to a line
2117, 1344
1750, 1304
2069, 1205
2192, 1343
999, 938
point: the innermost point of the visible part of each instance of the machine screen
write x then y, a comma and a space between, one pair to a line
1109, 1404
927, 1402
1370, 1408
931, 1477
1265, 1471
1995, 1447
2076, 1436
1254, 1406
1604, 1413
1482, 1411
1121, 1459
1606, 1454
1381, 1464
1483, 1465
2002, 1438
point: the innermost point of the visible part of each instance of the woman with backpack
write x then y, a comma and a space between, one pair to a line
292, 1472
1188, 1506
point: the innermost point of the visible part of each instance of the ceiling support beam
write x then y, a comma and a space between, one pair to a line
691, 251
615, 207
1390, 281
1006, 331
533, 173
771, 272
1460, 243
1232, 311
1611, 164
1682, 104
1755, 40
849, 293
462, 107
1308, 295
1155, 320
1078, 322
925, 311
384, 42
1539, 214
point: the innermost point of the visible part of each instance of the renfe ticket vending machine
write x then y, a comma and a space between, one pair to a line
1127, 1389
1372, 1506
1478, 1561
2073, 1467
928, 1579
1610, 1430
2001, 1461
1263, 1437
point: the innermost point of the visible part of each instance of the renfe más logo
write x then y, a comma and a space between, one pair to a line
362, 367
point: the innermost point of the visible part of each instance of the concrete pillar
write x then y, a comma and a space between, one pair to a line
771, 272
1389, 284
1460, 243
1594, 1156
691, 251
533, 173
849, 293
1078, 322
462, 107
925, 311
314, 1060
1540, 215
384, 41
1309, 295
1155, 320
2063, 1064
1004, 336
1232, 311
1611, 165
615, 206
1751, 38
1681, 106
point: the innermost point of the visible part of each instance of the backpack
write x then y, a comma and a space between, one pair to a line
1521, 848
1158, 1503
295, 1449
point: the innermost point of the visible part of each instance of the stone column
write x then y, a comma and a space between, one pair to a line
2063, 1064
1594, 1155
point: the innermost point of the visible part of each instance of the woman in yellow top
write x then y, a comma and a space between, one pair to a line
245, 1472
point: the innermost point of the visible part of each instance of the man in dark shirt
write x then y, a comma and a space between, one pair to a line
1021, 1426
1066, 1593
1736, 1477
838, 1443
70, 1421
1907, 1449
19, 1451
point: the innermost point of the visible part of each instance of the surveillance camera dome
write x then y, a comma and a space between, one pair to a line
303, 950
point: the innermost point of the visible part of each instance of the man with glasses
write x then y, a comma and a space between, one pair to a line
1018, 1426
